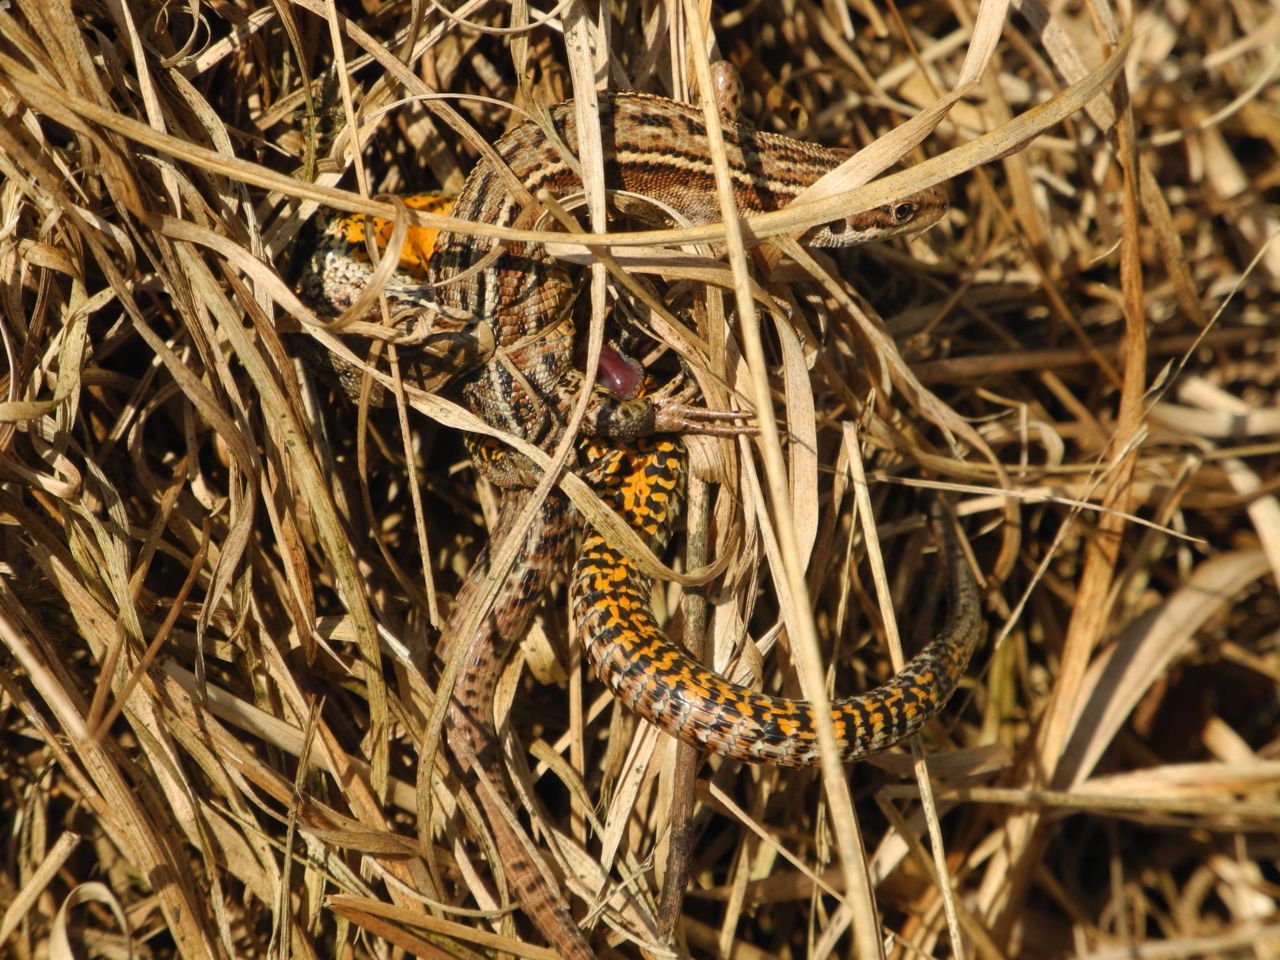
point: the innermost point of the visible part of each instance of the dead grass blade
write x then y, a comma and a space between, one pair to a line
220, 690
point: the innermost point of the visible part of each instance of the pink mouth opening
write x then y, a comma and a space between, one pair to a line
617, 373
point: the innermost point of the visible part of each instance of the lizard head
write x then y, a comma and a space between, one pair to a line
907, 215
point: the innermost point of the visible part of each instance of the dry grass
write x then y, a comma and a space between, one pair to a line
219, 588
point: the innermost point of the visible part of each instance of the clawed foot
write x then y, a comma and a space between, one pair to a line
673, 412
670, 416
668, 410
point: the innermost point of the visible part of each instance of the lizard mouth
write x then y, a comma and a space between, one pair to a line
616, 372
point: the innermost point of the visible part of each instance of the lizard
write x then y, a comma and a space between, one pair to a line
507, 304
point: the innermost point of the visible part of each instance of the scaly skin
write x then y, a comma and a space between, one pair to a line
470, 734
657, 679
526, 382
469, 730
499, 334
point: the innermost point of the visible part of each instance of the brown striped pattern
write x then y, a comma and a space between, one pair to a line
520, 377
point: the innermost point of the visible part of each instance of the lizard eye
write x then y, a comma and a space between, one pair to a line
837, 227
904, 211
